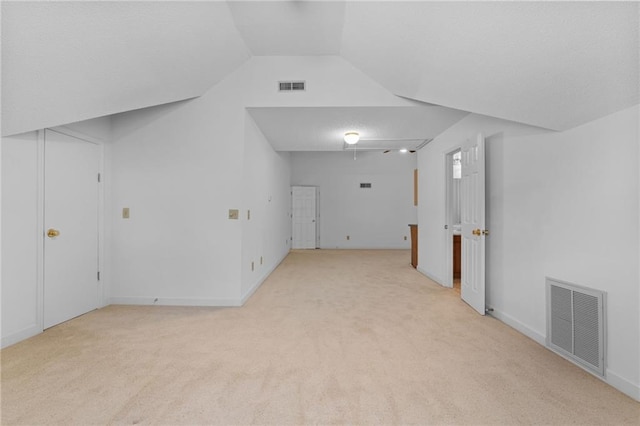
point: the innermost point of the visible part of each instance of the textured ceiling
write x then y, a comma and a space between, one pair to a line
549, 64
323, 129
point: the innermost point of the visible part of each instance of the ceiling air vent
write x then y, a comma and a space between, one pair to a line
365, 185
291, 86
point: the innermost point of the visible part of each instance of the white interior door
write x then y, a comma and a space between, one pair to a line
303, 212
473, 224
71, 227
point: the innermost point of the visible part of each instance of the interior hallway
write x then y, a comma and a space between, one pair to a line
332, 336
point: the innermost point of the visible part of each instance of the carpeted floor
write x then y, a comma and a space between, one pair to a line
332, 337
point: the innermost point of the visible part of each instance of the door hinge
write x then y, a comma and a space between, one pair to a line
98, 275
98, 177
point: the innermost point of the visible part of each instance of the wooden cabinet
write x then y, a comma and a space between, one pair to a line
457, 256
414, 245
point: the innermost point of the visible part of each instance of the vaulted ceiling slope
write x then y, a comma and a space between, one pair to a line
69, 61
548, 64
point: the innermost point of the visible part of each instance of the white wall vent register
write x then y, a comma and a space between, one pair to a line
365, 185
291, 86
576, 324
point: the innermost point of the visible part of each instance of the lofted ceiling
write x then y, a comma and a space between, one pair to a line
548, 64
69, 61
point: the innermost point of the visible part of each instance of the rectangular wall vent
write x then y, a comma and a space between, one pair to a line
576, 324
291, 86
365, 185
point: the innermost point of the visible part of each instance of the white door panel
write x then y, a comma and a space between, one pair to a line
473, 224
303, 202
70, 208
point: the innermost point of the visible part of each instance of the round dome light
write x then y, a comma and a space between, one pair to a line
351, 138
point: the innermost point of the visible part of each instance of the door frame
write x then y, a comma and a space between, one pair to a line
448, 215
40, 226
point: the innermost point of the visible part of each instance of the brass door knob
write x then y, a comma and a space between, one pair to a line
485, 232
476, 232
52, 233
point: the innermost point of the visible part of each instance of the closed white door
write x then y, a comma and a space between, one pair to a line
303, 219
473, 224
71, 227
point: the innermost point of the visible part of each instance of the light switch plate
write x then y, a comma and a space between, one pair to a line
125, 212
233, 213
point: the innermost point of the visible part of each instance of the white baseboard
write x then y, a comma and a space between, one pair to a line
262, 279
521, 327
620, 383
430, 276
632, 390
172, 301
18, 336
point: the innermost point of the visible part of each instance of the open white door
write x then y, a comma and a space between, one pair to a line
71, 227
303, 212
473, 224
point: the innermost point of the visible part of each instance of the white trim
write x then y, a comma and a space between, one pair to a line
437, 280
448, 213
255, 287
623, 385
517, 325
40, 232
103, 282
18, 336
612, 379
64, 130
406, 246
172, 301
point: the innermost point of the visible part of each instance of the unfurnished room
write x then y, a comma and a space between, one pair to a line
320, 212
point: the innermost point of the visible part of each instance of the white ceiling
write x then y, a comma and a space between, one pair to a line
548, 64
323, 129
291, 28
69, 61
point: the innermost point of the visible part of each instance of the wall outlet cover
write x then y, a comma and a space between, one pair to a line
233, 214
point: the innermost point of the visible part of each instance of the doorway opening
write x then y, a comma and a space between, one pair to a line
453, 227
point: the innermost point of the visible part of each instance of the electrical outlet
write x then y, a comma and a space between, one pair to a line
125, 212
233, 214
405, 238
348, 237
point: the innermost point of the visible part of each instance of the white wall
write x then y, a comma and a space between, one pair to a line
563, 205
178, 168
265, 236
373, 218
181, 167
20, 236
22, 167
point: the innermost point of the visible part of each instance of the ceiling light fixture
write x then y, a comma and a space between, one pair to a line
403, 150
351, 138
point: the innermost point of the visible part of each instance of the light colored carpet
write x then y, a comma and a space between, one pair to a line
332, 337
